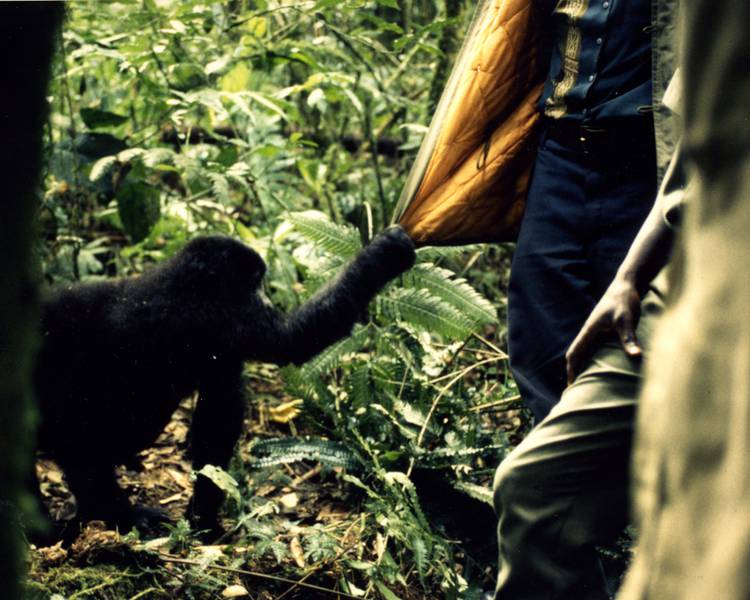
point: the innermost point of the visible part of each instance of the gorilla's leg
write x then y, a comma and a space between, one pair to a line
217, 423
99, 497
93, 484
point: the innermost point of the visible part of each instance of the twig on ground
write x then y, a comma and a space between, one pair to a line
143, 593
502, 402
305, 476
310, 586
488, 343
318, 566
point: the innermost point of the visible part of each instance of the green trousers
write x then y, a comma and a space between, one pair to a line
564, 490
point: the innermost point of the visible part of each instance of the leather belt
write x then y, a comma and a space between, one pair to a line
608, 136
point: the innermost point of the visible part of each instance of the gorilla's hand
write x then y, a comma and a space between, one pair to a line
392, 251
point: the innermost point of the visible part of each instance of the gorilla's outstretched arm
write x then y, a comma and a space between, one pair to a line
331, 313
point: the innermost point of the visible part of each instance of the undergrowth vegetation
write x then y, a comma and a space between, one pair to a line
291, 125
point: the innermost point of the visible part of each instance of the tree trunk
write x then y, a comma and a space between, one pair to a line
27, 39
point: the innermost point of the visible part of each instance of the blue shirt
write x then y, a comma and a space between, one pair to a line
600, 63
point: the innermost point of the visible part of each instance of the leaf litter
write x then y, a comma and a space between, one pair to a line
315, 538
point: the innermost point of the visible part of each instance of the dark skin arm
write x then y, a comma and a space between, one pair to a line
620, 307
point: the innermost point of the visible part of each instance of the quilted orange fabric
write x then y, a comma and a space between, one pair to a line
474, 184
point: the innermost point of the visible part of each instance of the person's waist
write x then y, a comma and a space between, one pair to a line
589, 136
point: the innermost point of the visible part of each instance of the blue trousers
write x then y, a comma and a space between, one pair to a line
583, 210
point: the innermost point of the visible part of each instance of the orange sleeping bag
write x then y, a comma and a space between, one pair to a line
469, 180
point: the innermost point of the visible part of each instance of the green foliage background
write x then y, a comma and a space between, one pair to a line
291, 125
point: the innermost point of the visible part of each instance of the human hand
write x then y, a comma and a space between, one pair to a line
618, 310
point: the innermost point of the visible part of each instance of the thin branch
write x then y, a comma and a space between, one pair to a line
465, 370
489, 344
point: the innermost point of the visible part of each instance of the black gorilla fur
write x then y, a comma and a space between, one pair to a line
118, 356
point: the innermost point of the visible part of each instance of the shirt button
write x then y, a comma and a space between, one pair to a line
591, 78
599, 41
605, 4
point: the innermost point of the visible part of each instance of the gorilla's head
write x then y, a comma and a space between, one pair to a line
219, 264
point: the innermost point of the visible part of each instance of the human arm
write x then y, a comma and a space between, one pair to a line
618, 310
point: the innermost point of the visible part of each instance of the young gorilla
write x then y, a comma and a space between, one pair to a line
118, 356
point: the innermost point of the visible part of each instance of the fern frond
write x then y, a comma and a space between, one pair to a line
387, 372
332, 356
220, 187
239, 169
421, 551
336, 239
445, 457
130, 154
475, 491
294, 382
394, 477
455, 291
273, 104
279, 451
360, 385
425, 311
401, 342
239, 173
158, 156
435, 253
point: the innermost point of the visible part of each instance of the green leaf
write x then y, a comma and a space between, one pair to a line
389, 4
257, 26
385, 592
360, 385
158, 156
220, 187
332, 356
130, 154
317, 99
186, 76
95, 118
443, 284
360, 565
442, 458
382, 24
139, 209
223, 480
102, 167
478, 492
407, 485
421, 554
270, 103
278, 549
341, 241
280, 451
237, 79
421, 309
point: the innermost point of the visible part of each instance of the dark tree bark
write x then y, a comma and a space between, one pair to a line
27, 39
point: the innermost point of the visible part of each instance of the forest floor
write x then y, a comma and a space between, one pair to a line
311, 505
